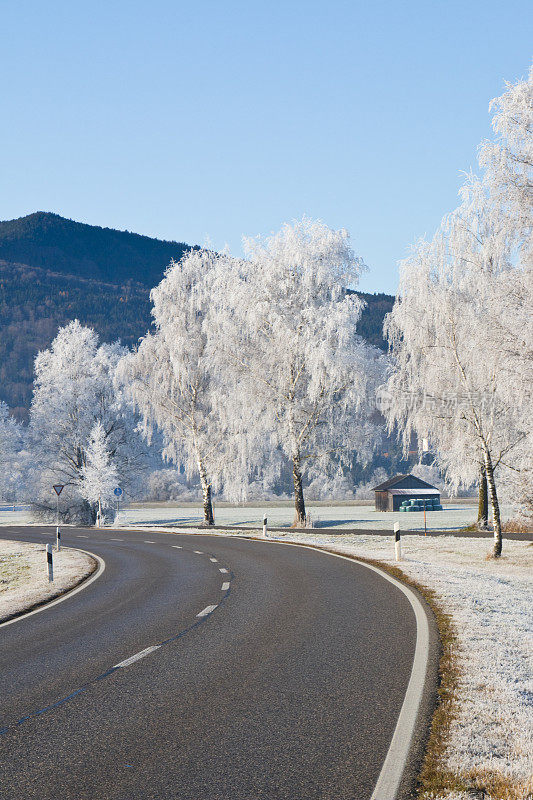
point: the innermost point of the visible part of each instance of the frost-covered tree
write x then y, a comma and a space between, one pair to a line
429, 473
365, 491
508, 160
461, 330
288, 337
74, 390
14, 461
170, 484
171, 378
448, 380
99, 475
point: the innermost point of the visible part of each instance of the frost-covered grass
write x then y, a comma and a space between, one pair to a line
281, 514
20, 516
489, 602
24, 575
338, 515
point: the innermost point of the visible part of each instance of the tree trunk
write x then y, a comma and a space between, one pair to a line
209, 519
483, 503
489, 471
299, 504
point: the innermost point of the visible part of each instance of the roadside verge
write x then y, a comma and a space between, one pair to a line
24, 587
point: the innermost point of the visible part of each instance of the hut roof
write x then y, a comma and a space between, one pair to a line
420, 484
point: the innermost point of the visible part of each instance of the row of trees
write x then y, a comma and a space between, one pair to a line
252, 366
255, 362
81, 433
461, 330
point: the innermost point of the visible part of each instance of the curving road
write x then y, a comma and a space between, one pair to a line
288, 686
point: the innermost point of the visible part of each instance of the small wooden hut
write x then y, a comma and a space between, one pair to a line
391, 494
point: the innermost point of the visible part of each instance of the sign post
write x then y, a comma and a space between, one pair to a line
118, 494
58, 488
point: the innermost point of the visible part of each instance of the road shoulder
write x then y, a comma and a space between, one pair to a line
24, 585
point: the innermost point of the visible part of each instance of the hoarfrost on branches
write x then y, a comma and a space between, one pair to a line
14, 459
172, 378
74, 390
305, 378
99, 476
461, 329
170, 484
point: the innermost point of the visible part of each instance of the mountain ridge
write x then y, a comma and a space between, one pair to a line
45, 239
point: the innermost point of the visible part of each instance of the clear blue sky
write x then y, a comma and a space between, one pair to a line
187, 120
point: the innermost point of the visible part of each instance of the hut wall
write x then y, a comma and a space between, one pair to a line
382, 501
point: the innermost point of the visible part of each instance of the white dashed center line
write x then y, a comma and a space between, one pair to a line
147, 541
82, 537
213, 560
198, 552
221, 569
137, 656
177, 546
225, 586
116, 540
207, 610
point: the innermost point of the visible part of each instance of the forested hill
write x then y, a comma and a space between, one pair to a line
52, 242
53, 270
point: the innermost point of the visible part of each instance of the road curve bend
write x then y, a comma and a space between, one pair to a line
205, 668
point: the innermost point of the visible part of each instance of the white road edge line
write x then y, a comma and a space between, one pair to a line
225, 586
94, 576
137, 656
393, 768
207, 610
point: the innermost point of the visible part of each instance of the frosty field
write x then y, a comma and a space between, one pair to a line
340, 516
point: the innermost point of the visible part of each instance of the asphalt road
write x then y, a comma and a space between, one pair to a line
290, 687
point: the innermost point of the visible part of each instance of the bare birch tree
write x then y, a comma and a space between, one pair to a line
460, 331
288, 336
170, 377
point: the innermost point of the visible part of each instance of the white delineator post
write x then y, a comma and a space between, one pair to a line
265, 535
49, 560
397, 542
58, 539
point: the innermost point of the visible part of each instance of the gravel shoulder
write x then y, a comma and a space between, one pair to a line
24, 576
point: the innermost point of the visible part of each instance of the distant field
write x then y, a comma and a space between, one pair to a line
338, 515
